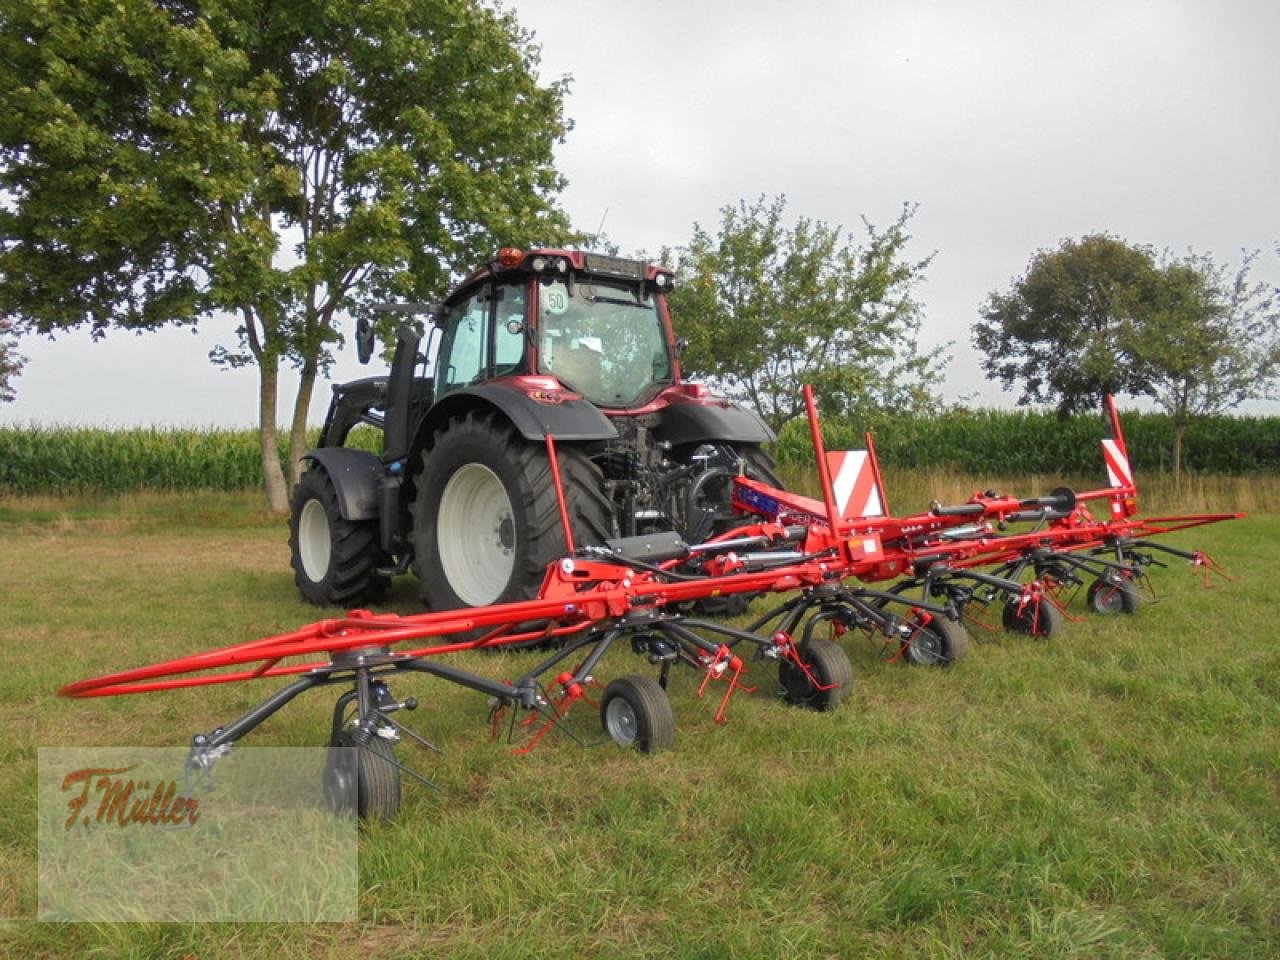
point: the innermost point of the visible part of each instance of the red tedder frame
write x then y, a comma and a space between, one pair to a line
633, 588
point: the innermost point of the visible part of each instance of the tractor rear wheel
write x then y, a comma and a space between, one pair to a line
486, 517
335, 561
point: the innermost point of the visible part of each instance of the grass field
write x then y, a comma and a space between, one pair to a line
1112, 793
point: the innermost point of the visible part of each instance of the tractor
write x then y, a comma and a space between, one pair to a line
542, 343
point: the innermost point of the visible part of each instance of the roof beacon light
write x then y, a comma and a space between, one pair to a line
510, 256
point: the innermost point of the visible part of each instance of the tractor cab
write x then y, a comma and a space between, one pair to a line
597, 325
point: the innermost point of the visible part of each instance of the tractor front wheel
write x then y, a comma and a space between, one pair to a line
335, 561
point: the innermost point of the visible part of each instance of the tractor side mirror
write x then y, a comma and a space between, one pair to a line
364, 339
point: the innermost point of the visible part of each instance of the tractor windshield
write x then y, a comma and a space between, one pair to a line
601, 342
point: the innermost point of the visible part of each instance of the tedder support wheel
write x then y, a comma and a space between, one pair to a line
363, 780
828, 664
1036, 620
1108, 596
635, 712
938, 643
335, 561
486, 518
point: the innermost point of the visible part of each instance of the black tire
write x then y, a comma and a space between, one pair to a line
757, 465
479, 456
830, 667
636, 712
335, 561
939, 643
362, 780
716, 492
1045, 622
1108, 597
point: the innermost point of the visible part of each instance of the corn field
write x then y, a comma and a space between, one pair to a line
1021, 442
78, 460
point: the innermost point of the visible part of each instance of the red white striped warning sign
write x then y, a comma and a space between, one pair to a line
854, 484
1119, 473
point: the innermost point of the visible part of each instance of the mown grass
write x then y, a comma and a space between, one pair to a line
1113, 793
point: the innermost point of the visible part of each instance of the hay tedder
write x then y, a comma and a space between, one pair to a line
844, 563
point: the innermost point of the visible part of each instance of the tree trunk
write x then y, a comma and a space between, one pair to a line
298, 428
272, 474
1178, 431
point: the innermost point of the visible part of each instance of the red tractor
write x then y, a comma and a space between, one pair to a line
560, 343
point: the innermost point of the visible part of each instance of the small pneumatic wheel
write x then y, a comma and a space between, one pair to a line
1040, 619
938, 643
363, 780
828, 665
636, 712
1107, 596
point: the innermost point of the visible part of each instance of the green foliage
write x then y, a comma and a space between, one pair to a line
1209, 342
157, 158
766, 307
1098, 316
1060, 331
10, 360
1022, 442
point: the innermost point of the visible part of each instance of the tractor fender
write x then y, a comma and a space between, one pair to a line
355, 475
576, 420
693, 422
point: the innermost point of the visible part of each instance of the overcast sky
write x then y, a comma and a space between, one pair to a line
1012, 125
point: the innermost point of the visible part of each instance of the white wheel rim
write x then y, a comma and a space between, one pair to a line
476, 535
620, 721
313, 540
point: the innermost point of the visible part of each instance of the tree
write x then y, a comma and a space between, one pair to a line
1059, 332
1207, 342
10, 360
282, 162
766, 308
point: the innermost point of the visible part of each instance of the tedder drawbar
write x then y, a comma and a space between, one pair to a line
637, 590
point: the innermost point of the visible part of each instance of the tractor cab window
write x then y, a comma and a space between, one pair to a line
601, 341
508, 330
483, 336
